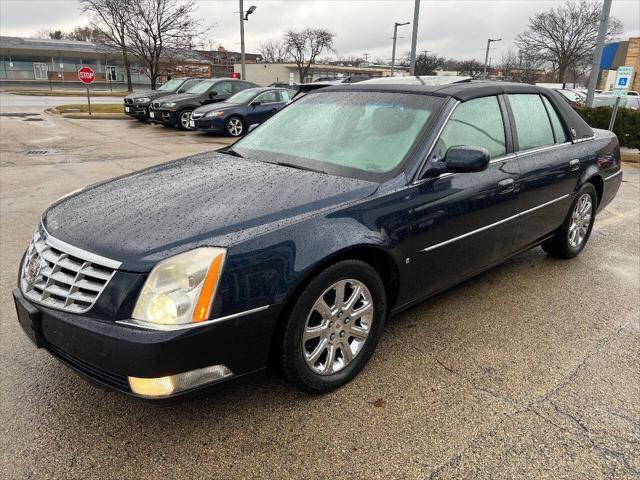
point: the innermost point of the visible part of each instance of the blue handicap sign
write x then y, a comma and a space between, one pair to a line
622, 82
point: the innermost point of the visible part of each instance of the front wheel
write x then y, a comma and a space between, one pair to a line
184, 117
574, 233
334, 327
234, 127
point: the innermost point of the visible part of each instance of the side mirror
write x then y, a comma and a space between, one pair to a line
213, 94
466, 159
256, 104
460, 159
181, 90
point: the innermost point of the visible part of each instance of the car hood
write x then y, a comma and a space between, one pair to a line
149, 94
208, 199
178, 97
218, 106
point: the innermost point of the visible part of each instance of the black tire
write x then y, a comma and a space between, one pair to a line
182, 114
292, 361
234, 126
561, 244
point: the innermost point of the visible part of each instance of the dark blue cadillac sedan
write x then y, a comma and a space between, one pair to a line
241, 111
292, 247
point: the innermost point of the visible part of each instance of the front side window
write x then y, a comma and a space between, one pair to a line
532, 122
476, 123
556, 123
223, 88
267, 97
358, 134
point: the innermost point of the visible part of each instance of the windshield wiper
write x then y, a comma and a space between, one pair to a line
292, 165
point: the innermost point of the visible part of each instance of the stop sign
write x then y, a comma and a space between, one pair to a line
86, 75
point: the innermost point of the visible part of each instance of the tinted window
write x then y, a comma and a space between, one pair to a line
267, 97
359, 134
188, 84
222, 88
532, 121
558, 129
476, 123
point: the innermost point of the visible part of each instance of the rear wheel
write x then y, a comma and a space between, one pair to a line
184, 117
334, 327
234, 126
574, 233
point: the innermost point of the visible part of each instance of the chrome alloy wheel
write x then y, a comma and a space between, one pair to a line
580, 220
337, 326
234, 127
185, 117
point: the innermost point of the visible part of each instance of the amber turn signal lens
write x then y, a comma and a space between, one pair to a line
203, 307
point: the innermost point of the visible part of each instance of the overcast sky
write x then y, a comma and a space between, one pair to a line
457, 29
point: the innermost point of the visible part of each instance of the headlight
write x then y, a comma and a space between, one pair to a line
180, 290
214, 114
142, 100
169, 105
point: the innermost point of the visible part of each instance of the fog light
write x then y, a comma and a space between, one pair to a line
165, 386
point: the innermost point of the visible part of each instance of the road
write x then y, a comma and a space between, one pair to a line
11, 103
530, 370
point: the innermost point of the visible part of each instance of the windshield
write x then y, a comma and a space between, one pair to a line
201, 87
360, 134
244, 96
608, 101
171, 85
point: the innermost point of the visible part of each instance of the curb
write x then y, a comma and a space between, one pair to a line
86, 116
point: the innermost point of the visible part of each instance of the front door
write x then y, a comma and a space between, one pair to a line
464, 222
40, 71
263, 106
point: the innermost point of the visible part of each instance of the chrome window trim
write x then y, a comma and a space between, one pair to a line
78, 252
500, 222
541, 149
156, 327
580, 140
613, 175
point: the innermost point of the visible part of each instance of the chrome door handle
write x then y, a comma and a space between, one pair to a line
507, 185
574, 164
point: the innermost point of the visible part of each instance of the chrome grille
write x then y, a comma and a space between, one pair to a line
63, 278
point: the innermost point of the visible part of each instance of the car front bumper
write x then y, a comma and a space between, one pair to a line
137, 111
109, 353
209, 124
166, 117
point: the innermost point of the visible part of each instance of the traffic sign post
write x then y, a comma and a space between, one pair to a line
87, 76
624, 77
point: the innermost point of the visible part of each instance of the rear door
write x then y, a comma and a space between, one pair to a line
548, 166
465, 222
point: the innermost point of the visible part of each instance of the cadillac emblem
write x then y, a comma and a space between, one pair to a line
33, 268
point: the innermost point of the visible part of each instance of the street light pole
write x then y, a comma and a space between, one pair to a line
486, 57
597, 54
244, 71
395, 37
414, 36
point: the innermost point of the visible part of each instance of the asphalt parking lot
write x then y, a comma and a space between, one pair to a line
531, 370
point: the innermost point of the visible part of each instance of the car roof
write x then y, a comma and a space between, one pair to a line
461, 90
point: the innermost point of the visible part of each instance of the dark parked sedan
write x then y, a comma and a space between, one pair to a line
245, 109
292, 247
175, 110
137, 104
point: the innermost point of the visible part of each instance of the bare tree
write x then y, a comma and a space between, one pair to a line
50, 34
87, 33
508, 62
428, 64
110, 18
565, 35
451, 64
305, 46
158, 27
470, 68
274, 51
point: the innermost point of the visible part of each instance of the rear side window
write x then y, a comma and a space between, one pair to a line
476, 123
558, 129
532, 121
222, 88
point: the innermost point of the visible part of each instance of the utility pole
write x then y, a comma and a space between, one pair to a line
414, 36
486, 56
244, 70
597, 54
395, 37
